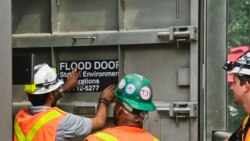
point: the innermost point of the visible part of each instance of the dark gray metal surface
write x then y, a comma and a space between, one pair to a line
6, 70
82, 15
160, 63
194, 69
143, 14
31, 16
215, 76
202, 24
156, 62
89, 38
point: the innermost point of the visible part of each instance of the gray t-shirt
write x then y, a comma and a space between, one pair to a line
71, 125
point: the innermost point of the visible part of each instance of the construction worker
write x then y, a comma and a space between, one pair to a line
44, 122
238, 67
133, 101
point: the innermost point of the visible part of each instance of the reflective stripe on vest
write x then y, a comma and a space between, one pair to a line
44, 119
108, 137
105, 136
155, 139
245, 121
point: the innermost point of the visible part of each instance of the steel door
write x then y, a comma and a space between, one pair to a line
155, 38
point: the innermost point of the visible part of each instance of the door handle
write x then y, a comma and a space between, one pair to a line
179, 110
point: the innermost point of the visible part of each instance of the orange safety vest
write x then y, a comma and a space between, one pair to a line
245, 121
121, 133
39, 127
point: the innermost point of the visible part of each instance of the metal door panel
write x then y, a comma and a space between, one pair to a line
167, 129
153, 124
170, 130
31, 16
82, 15
6, 125
160, 64
124, 30
148, 14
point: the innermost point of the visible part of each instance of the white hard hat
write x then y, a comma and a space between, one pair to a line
242, 65
45, 80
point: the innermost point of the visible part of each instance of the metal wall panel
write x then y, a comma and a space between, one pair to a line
6, 71
148, 14
195, 72
79, 16
160, 63
127, 31
215, 54
31, 16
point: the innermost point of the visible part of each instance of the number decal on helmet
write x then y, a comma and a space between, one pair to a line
130, 89
145, 93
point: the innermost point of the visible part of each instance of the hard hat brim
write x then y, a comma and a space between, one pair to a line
145, 106
51, 88
239, 70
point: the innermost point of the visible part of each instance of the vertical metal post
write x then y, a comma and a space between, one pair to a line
121, 15
121, 61
194, 68
202, 100
215, 49
6, 71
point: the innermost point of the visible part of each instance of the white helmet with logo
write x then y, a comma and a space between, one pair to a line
45, 80
242, 65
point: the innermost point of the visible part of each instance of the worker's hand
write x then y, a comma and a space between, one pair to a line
72, 80
108, 92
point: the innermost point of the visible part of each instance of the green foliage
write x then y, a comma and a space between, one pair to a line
238, 22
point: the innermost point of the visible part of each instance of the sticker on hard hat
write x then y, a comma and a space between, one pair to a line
145, 93
121, 84
130, 89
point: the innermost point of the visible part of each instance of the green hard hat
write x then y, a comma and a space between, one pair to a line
136, 91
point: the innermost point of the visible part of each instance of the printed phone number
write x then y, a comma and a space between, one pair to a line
88, 88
